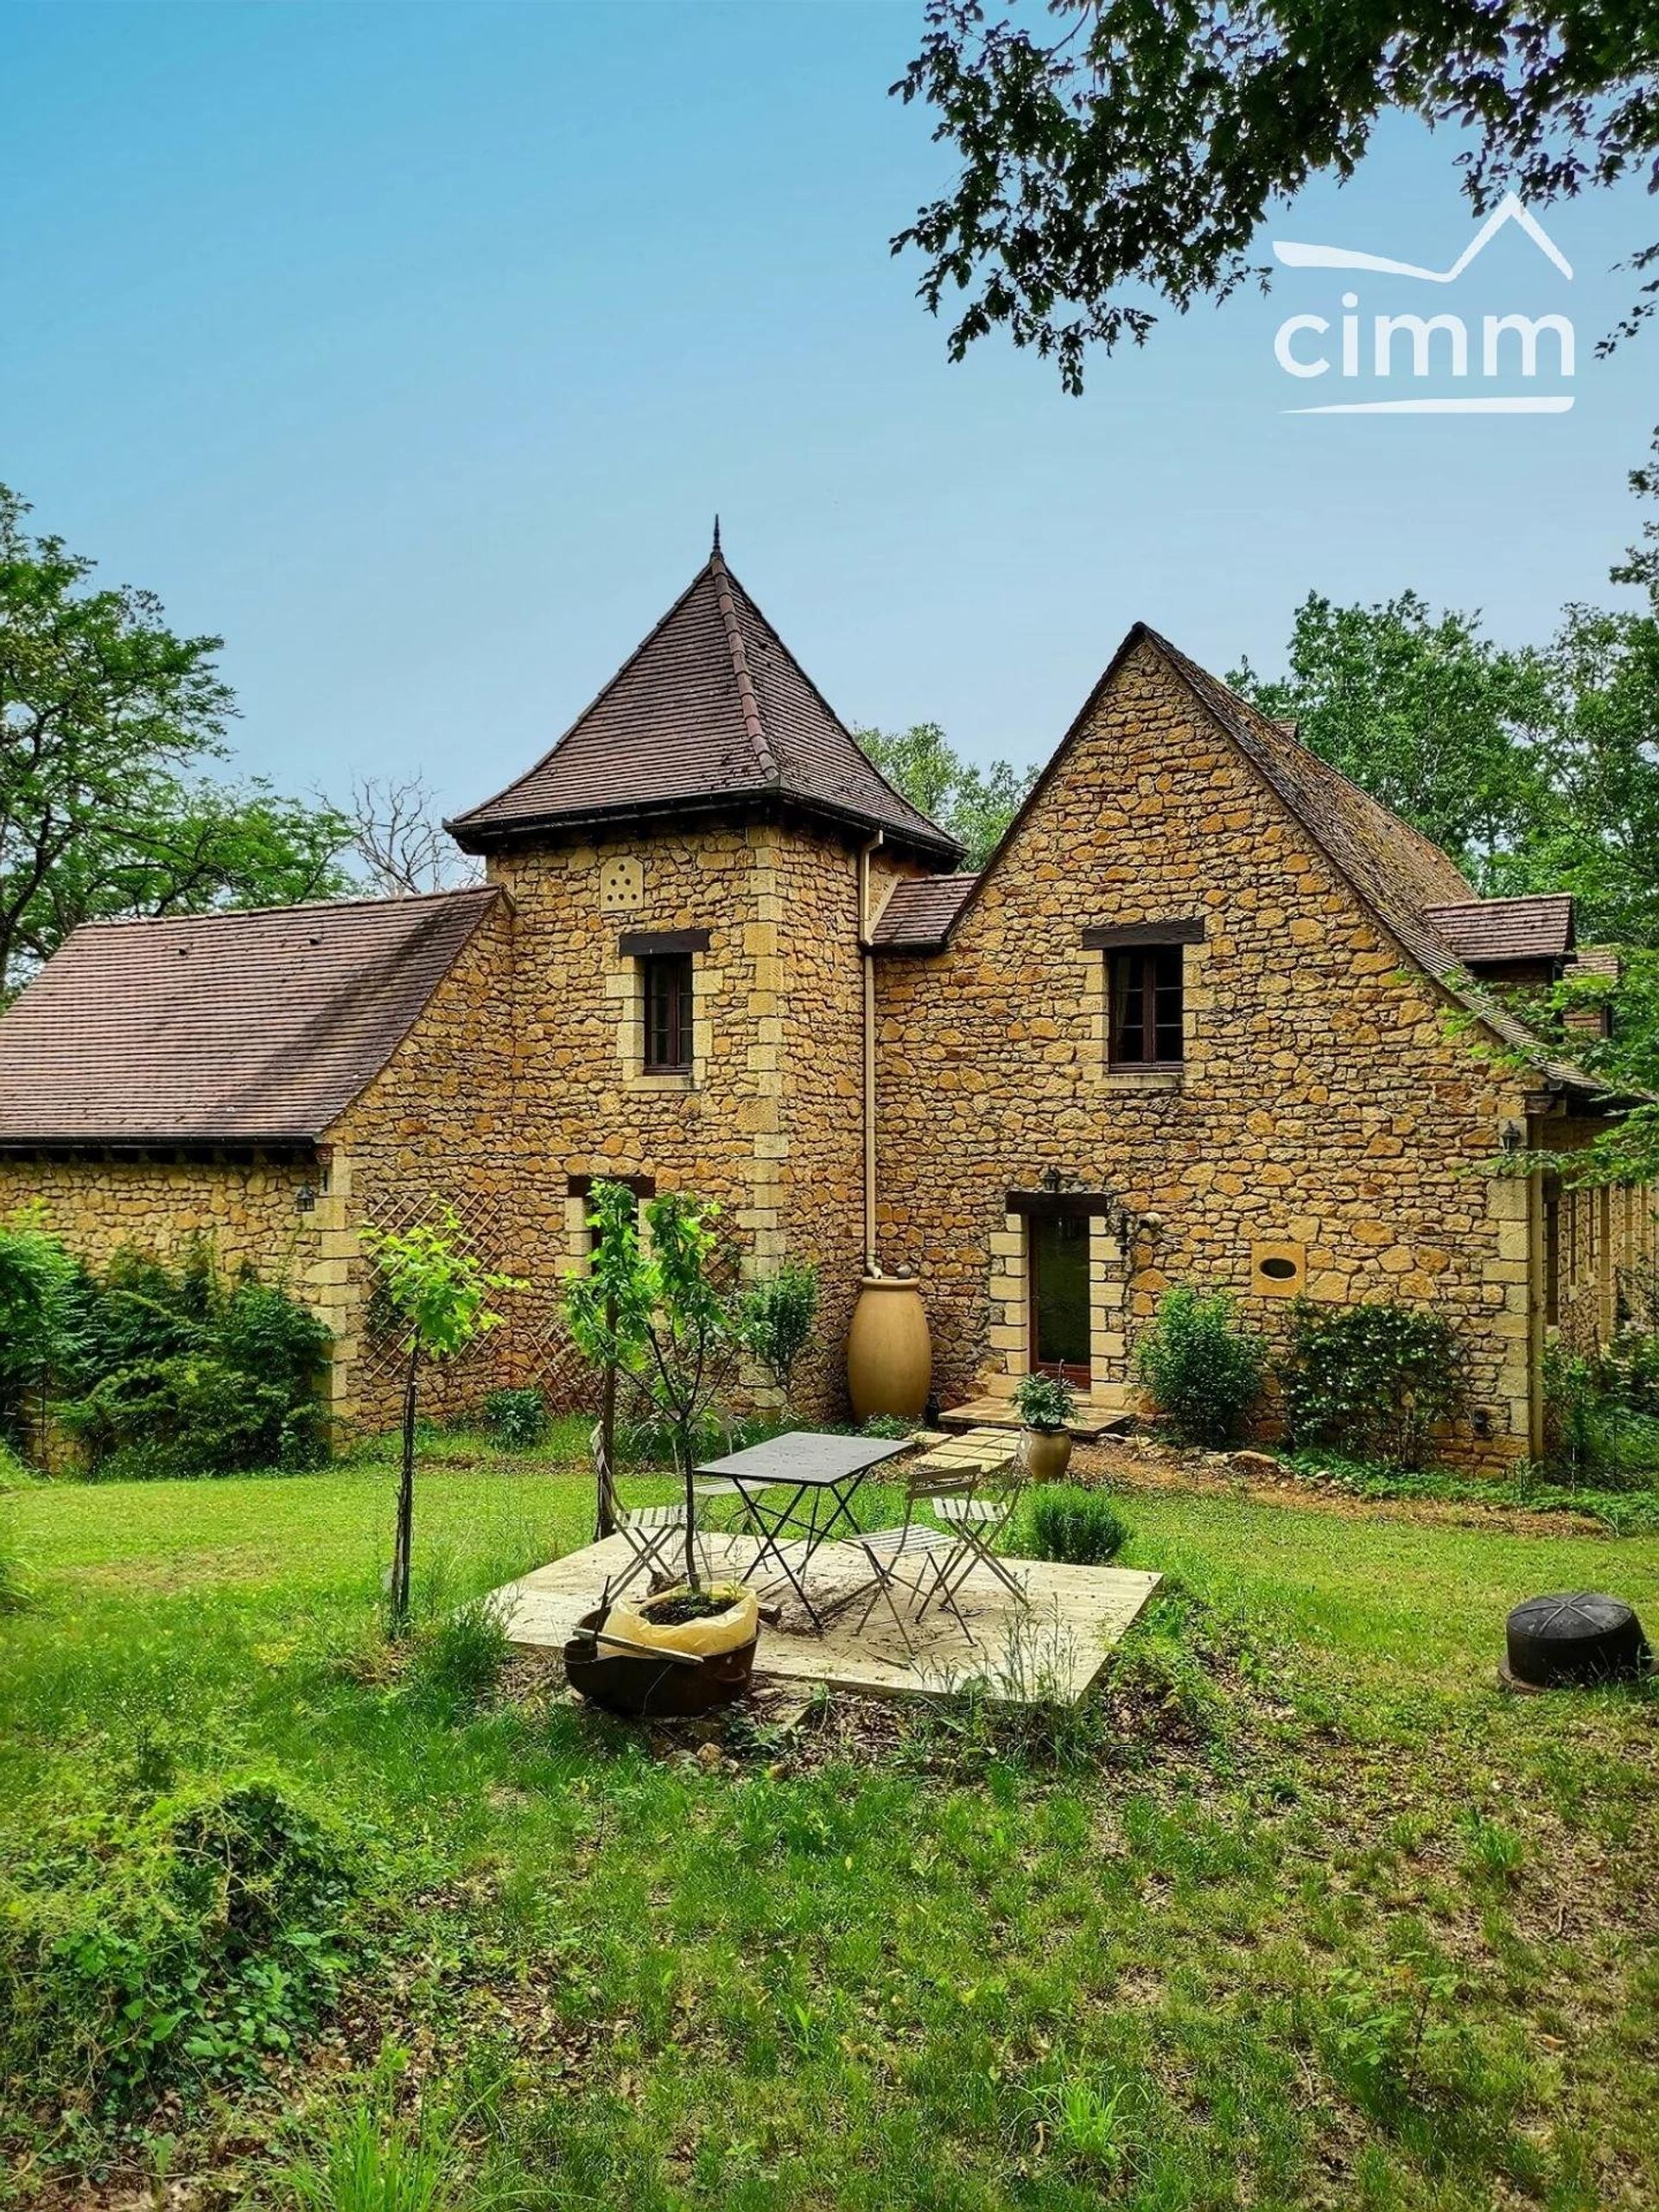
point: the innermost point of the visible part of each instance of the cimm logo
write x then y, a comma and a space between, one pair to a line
1499, 352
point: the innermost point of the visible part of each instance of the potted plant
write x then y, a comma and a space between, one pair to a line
654, 1312
1044, 1403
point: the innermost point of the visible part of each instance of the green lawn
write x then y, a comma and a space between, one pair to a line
1310, 1915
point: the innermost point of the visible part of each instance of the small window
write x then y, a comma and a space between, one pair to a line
1144, 982
667, 990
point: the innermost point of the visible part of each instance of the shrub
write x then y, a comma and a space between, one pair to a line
1081, 1527
516, 1419
1202, 1372
37, 1280
195, 1941
164, 1370
189, 1416
1044, 1402
776, 1316
1598, 1433
1370, 1381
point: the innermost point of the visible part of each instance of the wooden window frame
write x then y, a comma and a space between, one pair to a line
1142, 957
670, 973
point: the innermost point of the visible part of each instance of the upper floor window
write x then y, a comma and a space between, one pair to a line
1144, 998
667, 978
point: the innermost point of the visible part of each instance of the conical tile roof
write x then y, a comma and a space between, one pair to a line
711, 710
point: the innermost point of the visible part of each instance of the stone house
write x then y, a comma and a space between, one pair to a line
1209, 1015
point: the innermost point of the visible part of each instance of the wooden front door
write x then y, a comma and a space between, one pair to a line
1059, 1248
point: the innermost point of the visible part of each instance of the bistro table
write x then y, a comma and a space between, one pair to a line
798, 1489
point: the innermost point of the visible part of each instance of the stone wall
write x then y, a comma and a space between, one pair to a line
1323, 1110
437, 1130
586, 1107
249, 1210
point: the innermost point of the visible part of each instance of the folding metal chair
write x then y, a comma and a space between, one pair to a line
647, 1530
932, 1552
982, 1519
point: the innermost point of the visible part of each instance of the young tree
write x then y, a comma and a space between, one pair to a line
657, 1311
436, 1286
776, 1318
104, 717
975, 804
1121, 154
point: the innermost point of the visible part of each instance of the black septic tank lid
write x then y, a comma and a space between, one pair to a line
1577, 1636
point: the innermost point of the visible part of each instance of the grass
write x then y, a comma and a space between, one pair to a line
1307, 1915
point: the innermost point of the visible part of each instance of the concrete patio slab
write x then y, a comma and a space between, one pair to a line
1051, 1651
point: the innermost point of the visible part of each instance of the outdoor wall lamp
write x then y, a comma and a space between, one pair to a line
305, 1198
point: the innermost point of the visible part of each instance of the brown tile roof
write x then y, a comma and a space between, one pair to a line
244, 1027
711, 709
920, 912
1501, 930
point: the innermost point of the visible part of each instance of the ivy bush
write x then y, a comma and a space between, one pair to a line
1370, 1381
1202, 1372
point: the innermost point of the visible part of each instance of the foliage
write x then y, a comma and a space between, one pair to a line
667, 1318
104, 717
1044, 1402
461, 1659
776, 1316
1369, 1381
1132, 156
516, 1419
1293, 1834
1080, 1527
1203, 1372
188, 1941
375, 2160
1422, 710
1530, 1490
159, 1370
975, 804
442, 1293
37, 1281
893, 1426
1602, 1430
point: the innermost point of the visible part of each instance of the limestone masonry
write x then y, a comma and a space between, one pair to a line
1198, 1021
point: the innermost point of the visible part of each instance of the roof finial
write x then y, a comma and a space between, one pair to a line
716, 547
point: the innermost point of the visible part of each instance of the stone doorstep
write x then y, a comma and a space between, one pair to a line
1090, 1420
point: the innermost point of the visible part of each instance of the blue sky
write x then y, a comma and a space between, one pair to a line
413, 348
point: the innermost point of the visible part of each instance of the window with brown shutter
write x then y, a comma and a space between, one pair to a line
667, 978
1144, 1002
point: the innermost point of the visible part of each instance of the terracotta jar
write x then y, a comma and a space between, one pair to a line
1045, 1452
889, 1355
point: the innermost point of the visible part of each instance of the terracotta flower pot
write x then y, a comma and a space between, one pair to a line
1046, 1453
889, 1354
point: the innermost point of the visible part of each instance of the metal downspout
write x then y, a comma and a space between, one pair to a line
867, 955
